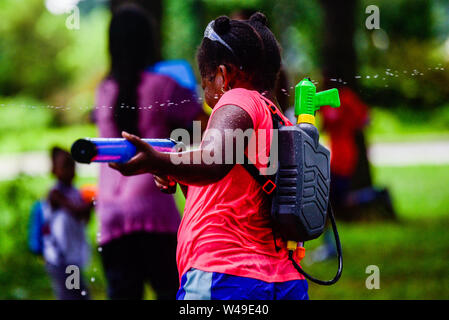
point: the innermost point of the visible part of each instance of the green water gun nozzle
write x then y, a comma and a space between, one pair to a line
307, 100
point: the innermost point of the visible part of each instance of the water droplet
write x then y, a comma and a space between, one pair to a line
83, 293
100, 249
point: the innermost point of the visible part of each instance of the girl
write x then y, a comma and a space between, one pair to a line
225, 241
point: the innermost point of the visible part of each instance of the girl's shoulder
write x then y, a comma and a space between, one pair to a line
248, 100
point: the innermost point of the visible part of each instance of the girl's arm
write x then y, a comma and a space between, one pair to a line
197, 171
78, 211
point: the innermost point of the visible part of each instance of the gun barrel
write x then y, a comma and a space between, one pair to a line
113, 149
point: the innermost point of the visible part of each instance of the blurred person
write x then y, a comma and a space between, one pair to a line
138, 223
342, 126
349, 154
64, 239
225, 241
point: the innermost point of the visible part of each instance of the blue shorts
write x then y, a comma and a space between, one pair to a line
201, 285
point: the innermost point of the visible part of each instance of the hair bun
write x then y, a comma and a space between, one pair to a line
259, 17
222, 25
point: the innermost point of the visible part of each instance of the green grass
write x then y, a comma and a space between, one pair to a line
406, 125
412, 254
412, 257
419, 192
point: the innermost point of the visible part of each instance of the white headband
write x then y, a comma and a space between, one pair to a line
212, 35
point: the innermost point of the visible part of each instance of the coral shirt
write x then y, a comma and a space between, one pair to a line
226, 225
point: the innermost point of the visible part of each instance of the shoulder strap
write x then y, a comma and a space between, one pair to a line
267, 182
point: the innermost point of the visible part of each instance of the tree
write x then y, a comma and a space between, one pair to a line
339, 55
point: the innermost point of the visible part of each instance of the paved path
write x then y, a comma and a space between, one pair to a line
380, 154
409, 153
35, 163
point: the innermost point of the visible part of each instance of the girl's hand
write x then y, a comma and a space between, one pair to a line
143, 162
165, 184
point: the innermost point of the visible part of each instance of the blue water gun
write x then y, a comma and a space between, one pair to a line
115, 149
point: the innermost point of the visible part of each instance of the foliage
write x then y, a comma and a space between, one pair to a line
28, 125
30, 45
42, 59
405, 62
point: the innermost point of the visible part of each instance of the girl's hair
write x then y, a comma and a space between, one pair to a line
131, 47
247, 47
56, 151
272, 51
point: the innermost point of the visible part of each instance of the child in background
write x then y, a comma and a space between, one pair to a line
64, 239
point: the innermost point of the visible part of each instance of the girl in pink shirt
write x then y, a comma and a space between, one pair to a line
225, 241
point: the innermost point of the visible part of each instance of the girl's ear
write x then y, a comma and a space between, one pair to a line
225, 74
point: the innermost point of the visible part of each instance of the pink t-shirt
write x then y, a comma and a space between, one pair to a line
130, 204
226, 225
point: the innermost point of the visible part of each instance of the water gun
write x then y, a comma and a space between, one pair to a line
300, 200
308, 101
114, 149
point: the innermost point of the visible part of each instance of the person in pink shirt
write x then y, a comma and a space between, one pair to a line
225, 240
138, 223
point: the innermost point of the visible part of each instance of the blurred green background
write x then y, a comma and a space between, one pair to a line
48, 76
